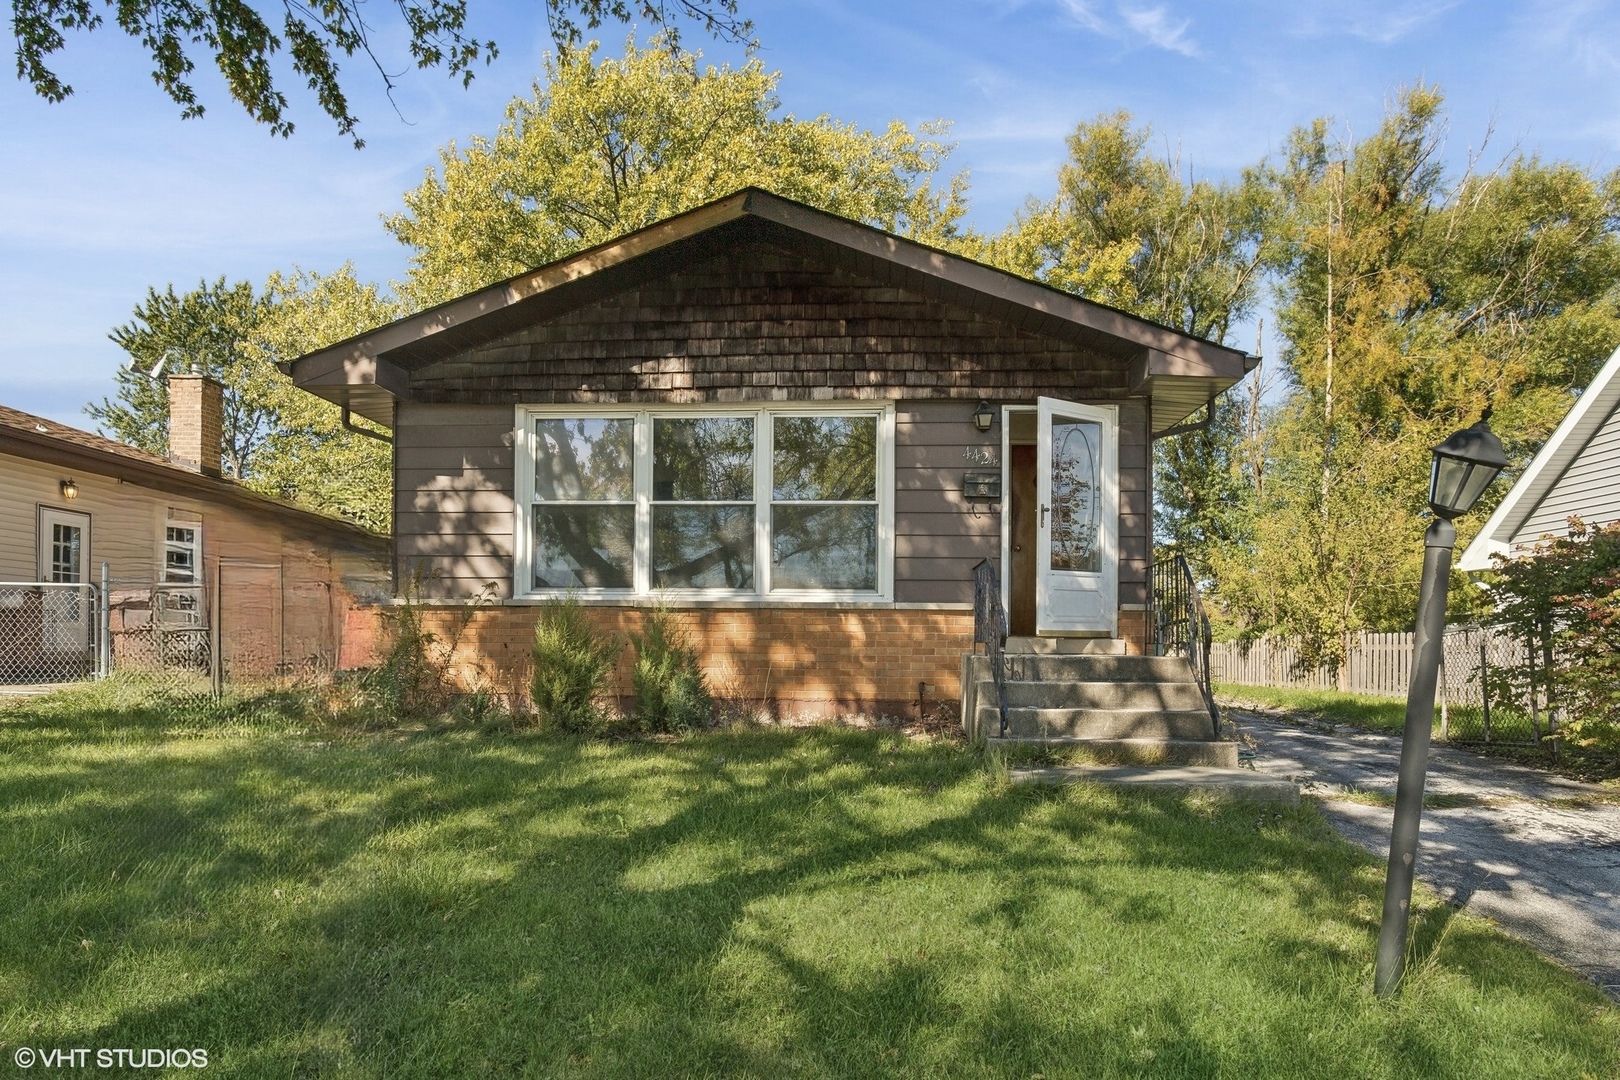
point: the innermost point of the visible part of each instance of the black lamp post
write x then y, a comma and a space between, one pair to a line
1464, 466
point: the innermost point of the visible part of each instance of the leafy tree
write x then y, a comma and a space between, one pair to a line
207, 329
1127, 229
1563, 599
1409, 304
242, 42
276, 439
605, 146
308, 455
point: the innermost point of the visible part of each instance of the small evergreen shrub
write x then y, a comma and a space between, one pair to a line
670, 689
572, 664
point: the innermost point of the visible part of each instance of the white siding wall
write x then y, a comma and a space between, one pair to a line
124, 519
1589, 488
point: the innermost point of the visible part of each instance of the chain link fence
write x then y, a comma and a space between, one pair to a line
1488, 693
50, 632
250, 624
162, 634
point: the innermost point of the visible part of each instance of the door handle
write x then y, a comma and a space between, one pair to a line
1044, 508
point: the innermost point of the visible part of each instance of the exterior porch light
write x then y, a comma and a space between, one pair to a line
1464, 466
984, 416
69, 489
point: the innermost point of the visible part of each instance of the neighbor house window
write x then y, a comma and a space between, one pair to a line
787, 502
180, 600
182, 554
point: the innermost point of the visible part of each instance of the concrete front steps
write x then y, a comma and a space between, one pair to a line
1085, 695
1215, 783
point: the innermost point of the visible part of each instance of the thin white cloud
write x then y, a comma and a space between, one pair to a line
1578, 31
1160, 28
1085, 14
1376, 23
1156, 26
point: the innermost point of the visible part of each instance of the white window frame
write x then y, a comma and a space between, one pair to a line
196, 546
523, 501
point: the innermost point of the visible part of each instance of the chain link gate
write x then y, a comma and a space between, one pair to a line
50, 632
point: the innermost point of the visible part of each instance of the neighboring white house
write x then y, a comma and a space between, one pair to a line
1576, 474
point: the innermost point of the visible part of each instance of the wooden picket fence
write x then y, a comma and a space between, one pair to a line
1380, 664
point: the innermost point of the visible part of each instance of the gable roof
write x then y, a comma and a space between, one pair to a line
35, 438
369, 372
1589, 415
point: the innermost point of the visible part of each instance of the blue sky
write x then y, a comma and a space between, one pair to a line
110, 191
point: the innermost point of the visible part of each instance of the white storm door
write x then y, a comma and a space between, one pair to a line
1077, 519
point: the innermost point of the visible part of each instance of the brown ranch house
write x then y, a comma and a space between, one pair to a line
800, 432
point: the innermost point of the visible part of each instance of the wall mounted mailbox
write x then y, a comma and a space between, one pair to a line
981, 486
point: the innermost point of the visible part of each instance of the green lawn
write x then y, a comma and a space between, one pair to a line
830, 903
1356, 710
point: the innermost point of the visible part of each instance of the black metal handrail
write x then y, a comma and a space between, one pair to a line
1180, 625
990, 629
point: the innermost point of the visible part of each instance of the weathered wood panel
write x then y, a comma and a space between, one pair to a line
938, 536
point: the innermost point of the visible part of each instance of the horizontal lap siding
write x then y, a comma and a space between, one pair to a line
1135, 502
1589, 488
124, 519
938, 540
453, 484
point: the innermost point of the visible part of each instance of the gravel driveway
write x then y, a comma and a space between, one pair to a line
1531, 851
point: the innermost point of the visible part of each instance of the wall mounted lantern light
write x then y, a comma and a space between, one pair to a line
69, 489
984, 416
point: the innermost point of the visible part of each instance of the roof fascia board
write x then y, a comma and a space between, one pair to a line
352, 368
1582, 421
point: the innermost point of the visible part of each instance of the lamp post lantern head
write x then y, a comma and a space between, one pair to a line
984, 416
1464, 466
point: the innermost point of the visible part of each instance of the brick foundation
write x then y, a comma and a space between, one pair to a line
796, 663
1136, 629
793, 662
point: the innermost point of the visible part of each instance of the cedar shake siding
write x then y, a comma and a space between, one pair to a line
453, 499
764, 324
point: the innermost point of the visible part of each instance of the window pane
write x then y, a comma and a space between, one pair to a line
587, 458
703, 547
823, 547
708, 459
65, 557
584, 547
825, 457
1076, 495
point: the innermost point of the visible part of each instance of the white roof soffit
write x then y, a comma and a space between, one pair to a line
1582, 421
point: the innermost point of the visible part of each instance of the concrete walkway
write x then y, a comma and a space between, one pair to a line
1531, 851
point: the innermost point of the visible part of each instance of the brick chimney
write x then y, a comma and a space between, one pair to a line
196, 421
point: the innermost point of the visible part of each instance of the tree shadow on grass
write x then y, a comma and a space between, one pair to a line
824, 903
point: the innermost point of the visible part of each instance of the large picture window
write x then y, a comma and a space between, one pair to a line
789, 502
